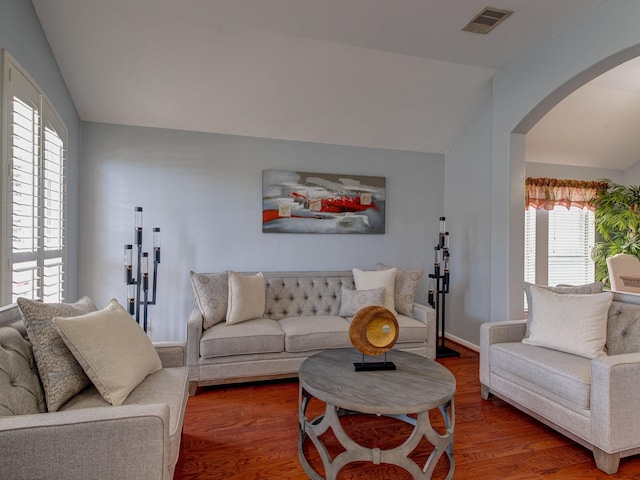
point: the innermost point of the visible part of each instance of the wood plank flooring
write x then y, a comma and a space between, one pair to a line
250, 432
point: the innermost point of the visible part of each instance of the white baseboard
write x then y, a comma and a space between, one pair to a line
462, 342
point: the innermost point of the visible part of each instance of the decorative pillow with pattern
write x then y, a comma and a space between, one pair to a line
113, 350
355, 300
211, 291
61, 375
405, 288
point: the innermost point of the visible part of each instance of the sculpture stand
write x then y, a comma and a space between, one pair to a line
373, 366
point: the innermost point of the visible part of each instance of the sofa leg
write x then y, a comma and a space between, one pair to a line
607, 462
484, 392
193, 386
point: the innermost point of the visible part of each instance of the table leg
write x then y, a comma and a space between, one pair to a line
354, 452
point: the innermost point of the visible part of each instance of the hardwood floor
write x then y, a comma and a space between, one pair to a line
251, 432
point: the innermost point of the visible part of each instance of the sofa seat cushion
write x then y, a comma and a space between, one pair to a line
411, 330
555, 375
315, 332
168, 386
261, 335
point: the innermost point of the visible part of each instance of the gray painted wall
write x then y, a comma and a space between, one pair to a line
204, 191
523, 91
22, 36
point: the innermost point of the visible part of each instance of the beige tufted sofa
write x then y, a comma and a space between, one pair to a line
300, 319
595, 402
87, 437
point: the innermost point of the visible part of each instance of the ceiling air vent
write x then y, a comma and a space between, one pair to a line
487, 20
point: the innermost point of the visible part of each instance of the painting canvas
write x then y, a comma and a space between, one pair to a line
303, 202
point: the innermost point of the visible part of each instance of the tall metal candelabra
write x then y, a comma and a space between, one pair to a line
138, 284
439, 288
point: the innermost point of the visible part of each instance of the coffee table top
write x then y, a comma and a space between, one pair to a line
418, 384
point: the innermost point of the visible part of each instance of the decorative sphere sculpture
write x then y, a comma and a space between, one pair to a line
373, 330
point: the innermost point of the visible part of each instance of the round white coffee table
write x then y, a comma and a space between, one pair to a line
415, 387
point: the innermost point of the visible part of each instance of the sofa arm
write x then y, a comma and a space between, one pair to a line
172, 354
194, 333
115, 443
497, 332
615, 402
427, 315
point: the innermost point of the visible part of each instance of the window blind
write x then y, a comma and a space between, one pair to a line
567, 248
571, 238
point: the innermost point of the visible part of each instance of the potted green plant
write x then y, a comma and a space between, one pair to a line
617, 220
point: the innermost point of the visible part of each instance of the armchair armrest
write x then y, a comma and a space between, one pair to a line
496, 332
427, 315
172, 354
117, 443
615, 402
194, 333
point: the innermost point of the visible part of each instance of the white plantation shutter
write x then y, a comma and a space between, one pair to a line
33, 191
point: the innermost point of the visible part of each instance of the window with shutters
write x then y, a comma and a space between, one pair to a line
558, 246
33, 190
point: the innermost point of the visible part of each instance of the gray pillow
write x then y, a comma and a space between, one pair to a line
587, 288
211, 291
61, 375
355, 300
406, 286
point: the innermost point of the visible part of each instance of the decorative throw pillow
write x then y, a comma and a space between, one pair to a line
113, 350
247, 297
368, 280
571, 323
405, 288
354, 300
211, 291
61, 375
588, 288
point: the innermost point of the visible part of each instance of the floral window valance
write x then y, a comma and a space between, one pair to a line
550, 192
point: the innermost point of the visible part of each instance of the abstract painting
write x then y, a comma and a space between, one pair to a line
303, 202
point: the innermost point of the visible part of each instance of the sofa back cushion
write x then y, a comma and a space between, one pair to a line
20, 388
623, 328
294, 294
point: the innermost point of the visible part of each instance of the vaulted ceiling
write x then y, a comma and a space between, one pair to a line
394, 74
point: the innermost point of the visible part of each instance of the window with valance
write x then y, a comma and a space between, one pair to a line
559, 230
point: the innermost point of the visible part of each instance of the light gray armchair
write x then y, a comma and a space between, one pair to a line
595, 402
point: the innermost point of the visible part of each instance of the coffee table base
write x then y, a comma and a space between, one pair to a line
355, 452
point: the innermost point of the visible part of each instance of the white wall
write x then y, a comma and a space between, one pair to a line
22, 36
572, 172
205, 193
523, 91
631, 175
